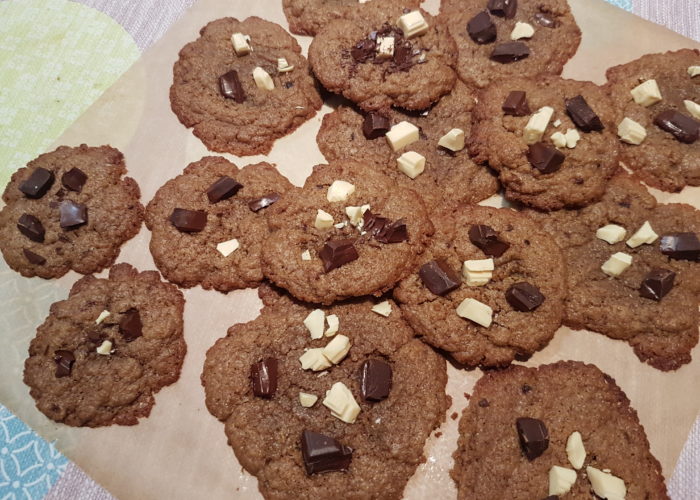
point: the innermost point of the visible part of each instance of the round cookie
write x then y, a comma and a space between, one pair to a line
69, 209
78, 378
345, 58
233, 203
662, 332
554, 40
532, 170
366, 254
431, 298
661, 160
230, 113
566, 397
448, 174
384, 445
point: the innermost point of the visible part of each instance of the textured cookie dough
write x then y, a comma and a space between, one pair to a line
252, 126
114, 214
662, 333
448, 175
191, 259
388, 436
532, 257
498, 139
567, 397
660, 160
379, 266
117, 387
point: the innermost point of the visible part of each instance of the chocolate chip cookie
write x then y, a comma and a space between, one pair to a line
242, 85
490, 286
510, 39
103, 353
566, 415
405, 60
633, 270
68, 209
658, 102
350, 231
208, 224
357, 431
448, 172
551, 140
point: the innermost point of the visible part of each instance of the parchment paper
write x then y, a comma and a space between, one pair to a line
180, 451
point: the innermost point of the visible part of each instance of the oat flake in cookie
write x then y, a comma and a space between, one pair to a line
241, 85
392, 386
610, 456
208, 224
102, 354
69, 209
643, 92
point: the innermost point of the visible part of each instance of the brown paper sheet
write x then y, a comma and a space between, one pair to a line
180, 451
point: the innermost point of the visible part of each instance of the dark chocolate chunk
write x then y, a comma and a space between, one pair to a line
375, 380
396, 232
657, 284
37, 184
34, 258
439, 277
31, 227
373, 224
534, 437
363, 50
545, 158
582, 114
188, 221
403, 56
336, 253
263, 377
375, 125
509, 52
483, 403
526, 388
72, 214
486, 239
544, 19
481, 29
64, 362
683, 128
74, 179
130, 325
681, 246
323, 454
503, 8
223, 189
516, 104
524, 297
230, 86
263, 202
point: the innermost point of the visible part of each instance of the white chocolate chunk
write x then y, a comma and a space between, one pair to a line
572, 137
355, 214
103, 315
617, 264
411, 163
241, 44
324, 220
401, 135
556, 122
313, 359
693, 71
475, 311
612, 233
559, 139
631, 132
341, 402
333, 325
575, 451
522, 30
105, 348
412, 24
605, 485
340, 191
534, 130
226, 248
307, 400
453, 140
337, 349
477, 272
385, 47
644, 234
646, 93
383, 308
262, 78
283, 66
693, 108
561, 480
314, 323
305, 255
340, 225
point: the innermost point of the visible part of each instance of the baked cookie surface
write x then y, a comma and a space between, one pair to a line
69, 209
215, 93
102, 354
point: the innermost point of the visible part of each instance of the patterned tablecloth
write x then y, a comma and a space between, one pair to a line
90, 43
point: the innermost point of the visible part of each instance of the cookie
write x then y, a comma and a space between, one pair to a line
350, 231
448, 173
240, 99
489, 288
551, 140
509, 39
102, 354
253, 380
657, 316
526, 404
376, 64
661, 159
68, 209
208, 224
